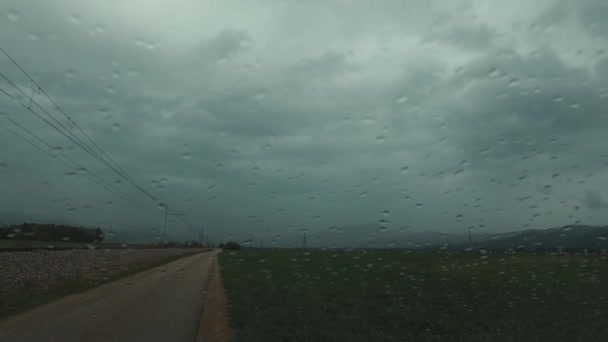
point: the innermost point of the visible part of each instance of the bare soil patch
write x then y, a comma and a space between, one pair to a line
215, 320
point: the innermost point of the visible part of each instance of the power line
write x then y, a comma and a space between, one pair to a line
69, 135
116, 168
75, 139
104, 183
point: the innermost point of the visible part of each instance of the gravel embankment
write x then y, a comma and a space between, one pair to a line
23, 269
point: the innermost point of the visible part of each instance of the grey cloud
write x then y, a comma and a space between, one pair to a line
593, 16
467, 36
594, 200
263, 125
224, 45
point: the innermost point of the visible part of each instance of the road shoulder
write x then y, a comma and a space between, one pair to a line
215, 320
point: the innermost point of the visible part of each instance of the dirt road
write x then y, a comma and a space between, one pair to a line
161, 304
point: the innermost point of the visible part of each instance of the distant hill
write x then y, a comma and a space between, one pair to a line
373, 235
370, 235
572, 236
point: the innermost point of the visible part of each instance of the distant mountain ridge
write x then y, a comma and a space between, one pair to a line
369, 235
571, 236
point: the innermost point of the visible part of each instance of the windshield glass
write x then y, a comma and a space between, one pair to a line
465, 131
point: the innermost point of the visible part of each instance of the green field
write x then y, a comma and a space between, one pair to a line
296, 295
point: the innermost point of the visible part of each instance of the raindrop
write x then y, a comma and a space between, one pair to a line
32, 37
12, 15
132, 73
380, 139
116, 127
402, 99
140, 42
75, 19
514, 82
494, 72
186, 156
99, 29
404, 169
71, 173
419, 205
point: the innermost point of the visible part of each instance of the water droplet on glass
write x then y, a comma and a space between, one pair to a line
12, 15
514, 82
419, 205
402, 99
116, 126
32, 37
100, 29
75, 19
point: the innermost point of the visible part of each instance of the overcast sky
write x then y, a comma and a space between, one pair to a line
272, 118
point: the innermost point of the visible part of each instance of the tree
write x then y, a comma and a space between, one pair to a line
230, 245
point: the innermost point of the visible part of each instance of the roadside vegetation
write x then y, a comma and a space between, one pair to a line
401, 295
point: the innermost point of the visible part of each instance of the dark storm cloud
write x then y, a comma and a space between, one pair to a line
594, 200
478, 36
256, 119
593, 16
225, 44
525, 105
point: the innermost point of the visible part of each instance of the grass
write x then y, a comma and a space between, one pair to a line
20, 300
397, 295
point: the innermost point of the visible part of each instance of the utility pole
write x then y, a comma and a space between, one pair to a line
165, 227
203, 236
470, 239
